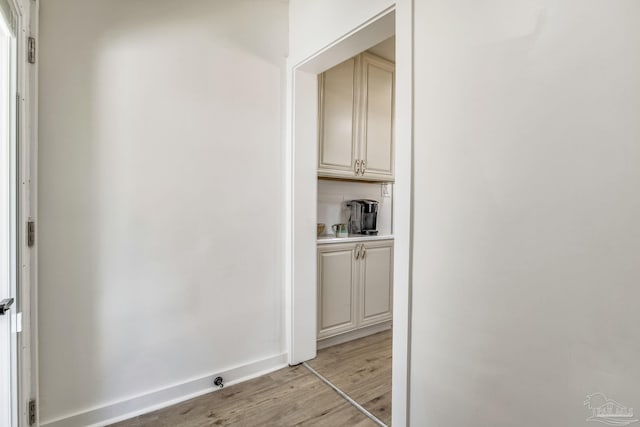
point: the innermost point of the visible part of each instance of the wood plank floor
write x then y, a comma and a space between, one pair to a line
362, 369
288, 397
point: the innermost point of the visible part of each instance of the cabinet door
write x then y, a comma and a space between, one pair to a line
376, 296
336, 289
377, 118
337, 113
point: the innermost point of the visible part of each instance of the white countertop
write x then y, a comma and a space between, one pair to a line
330, 238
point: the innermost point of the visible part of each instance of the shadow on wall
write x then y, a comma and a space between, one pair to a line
160, 163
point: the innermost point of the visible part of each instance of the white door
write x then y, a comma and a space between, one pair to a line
8, 343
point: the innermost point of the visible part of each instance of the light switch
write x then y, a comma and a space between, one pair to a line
385, 189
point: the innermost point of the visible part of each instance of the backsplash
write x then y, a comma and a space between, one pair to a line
332, 194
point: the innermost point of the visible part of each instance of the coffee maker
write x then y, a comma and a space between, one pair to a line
363, 217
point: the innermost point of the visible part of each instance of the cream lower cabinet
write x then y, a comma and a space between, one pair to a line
376, 283
337, 290
354, 286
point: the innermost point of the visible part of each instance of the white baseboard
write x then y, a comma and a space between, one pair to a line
353, 335
161, 398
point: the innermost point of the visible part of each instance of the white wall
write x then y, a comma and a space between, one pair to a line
526, 232
160, 194
314, 24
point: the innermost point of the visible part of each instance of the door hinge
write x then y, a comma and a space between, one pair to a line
32, 412
31, 233
31, 50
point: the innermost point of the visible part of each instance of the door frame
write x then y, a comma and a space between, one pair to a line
26, 158
300, 158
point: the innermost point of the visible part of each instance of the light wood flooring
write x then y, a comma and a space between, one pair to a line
294, 396
361, 369
288, 397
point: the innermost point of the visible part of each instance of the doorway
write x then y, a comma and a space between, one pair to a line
355, 228
302, 182
8, 213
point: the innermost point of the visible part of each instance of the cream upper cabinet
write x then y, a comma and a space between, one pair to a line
337, 94
356, 120
355, 286
377, 113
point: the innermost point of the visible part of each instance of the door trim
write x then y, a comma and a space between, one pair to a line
27, 154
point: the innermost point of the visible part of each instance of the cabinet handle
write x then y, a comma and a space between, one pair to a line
356, 167
362, 166
357, 252
363, 253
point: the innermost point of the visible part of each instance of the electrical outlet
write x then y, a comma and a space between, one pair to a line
385, 189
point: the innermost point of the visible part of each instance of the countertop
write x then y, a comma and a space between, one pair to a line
330, 238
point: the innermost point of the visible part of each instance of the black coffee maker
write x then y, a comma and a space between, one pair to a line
364, 217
